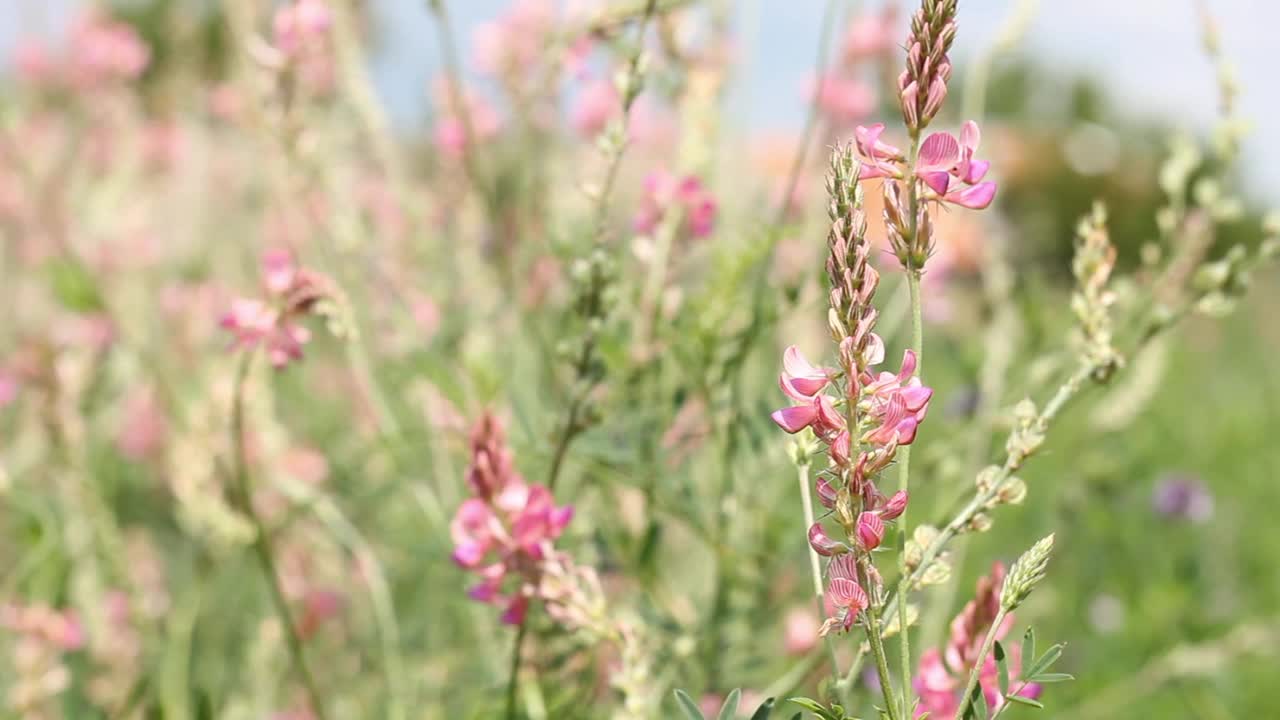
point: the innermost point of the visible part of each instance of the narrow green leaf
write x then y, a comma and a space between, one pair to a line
764, 711
1003, 668
688, 706
729, 710
1025, 701
1048, 659
812, 706
1052, 678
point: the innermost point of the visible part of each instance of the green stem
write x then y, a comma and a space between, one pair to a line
815, 567
262, 543
967, 699
874, 639
904, 483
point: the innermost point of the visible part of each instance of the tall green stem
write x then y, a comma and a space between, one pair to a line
262, 542
876, 641
904, 453
904, 483
967, 699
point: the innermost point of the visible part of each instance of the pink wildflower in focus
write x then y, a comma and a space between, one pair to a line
898, 403
844, 100
506, 530
847, 597
946, 166
292, 293
663, 191
598, 103
942, 674
870, 530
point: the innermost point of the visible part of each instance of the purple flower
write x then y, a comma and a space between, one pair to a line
1182, 497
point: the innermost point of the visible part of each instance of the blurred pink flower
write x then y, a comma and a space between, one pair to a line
869, 35
663, 191
143, 425
103, 50
800, 631
942, 674
451, 130
598, 102
292, 293
507, 528
844, 100
512, 43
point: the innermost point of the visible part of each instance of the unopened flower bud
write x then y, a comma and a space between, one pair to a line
1012, 492
823, 544
870, 530
987, 478
826, 494
980, 522
894, 506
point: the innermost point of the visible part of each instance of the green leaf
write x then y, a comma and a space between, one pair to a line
1025, 701
977, 709
74, 286
764, 711
814, 707
1049, 658
729, 710
1003, 667
1052, 678
689, 707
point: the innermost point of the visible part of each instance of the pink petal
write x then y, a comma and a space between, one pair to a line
977, 197
795, 418
908, 365
940, 151
797, 365
822, 543
970, 136
894, 506
937, 180
976, 170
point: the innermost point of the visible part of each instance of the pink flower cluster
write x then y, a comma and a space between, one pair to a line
842, 92
943, 674
895, 404
890, 409
946, 166
507, 528
301, 32
512, 43
99, 51
292, 293
451, 128
664, 191
61, 629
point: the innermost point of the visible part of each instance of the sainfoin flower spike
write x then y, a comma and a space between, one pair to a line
505, 532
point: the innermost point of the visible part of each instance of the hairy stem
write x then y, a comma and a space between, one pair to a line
262, 542
875, 640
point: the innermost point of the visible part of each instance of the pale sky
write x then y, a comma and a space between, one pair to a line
1146, 52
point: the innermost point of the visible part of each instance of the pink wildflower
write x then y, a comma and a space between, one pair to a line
848, 599
507, 529
800, 631
292, 293
844, 100
870, 530
663, 191
870, 35
898, 403
103, 50
946, 166
598, 103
